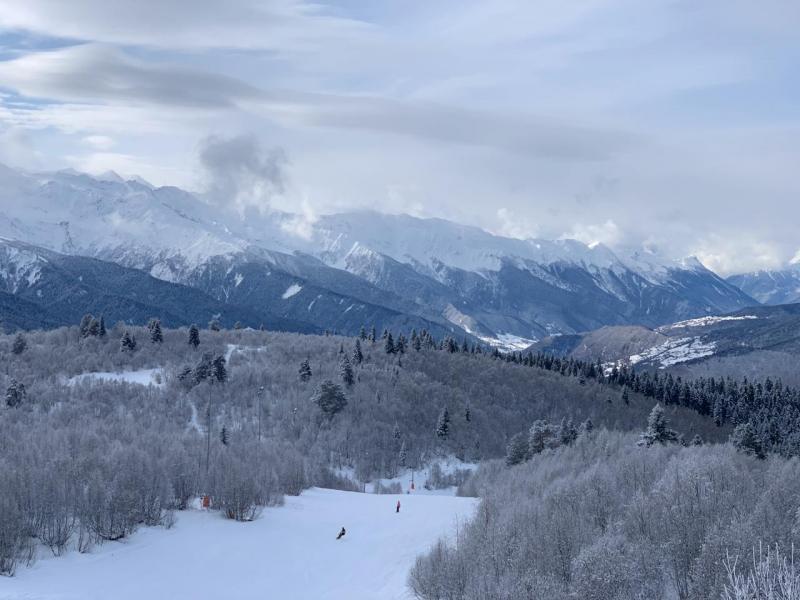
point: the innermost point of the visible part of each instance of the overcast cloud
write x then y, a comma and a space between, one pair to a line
671, 124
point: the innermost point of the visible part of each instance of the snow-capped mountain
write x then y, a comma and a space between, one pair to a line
771, 287
363, 268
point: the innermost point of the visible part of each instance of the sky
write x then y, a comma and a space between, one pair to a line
673, 125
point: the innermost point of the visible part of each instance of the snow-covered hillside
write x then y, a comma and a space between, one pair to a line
288, 553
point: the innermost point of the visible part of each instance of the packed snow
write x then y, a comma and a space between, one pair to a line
291, 291
506, 341
142, 377
675, 351
289, 552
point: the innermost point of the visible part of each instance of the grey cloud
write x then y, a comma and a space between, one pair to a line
241, 173
100, 73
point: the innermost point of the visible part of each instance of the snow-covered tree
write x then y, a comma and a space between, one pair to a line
745, 439
156, 335
194, 336
15, 394
330, 398
128, 342
657, 431
304, 372
19, 345
389, 345
517, 449
223, 435
213, 325
358, 355
238, 325
101, 332
346, 371
443, 424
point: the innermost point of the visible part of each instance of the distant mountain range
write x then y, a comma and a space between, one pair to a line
339, 272
771, 287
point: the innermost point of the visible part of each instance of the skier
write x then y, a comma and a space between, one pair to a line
398, 506
341, 534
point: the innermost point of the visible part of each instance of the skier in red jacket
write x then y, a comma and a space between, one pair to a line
398, 506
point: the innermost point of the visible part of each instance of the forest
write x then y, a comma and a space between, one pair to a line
89, 454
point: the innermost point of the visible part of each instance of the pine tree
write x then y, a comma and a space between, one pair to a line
624, 395
541, 436
346, 371
400, 345
467, 414
94, 328
745, 439
443, 424
102, 328
403, 455
19, 345
128, 342
517, 449
341, 348
238, 325
194, 336
156, 335
304, 372
15, 394
84, 326
213, 325
465, 346
385, 334
262, 328
219, 372
396, 435
417, 344
330, 398
697, 440
362, 335
657, 431
223, 435
389, 346
586, 427
358, 356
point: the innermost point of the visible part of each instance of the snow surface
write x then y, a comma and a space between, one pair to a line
289, 553
703, 321
142, 376
291, 291
675, 351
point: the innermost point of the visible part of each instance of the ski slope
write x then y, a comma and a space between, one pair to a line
289, 553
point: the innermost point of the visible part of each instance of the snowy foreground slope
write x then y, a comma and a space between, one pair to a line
289, 553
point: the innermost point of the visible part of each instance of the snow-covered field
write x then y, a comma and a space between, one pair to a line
142, 376
675, 351
704, 321
289, 553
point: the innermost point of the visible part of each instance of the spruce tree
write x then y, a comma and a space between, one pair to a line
467, 414
304, 372
194, 336
403, 455
745, 439
372, 335
389, 345
219, 372
330, 398
400, 345
517, 449
15, 394
128, 342
19, 345
657, 431
697, 440
358, 356
624, 395
443, 424
346, 371
417, 344
238, 325
102, 328
94, 328
213, 325
84, 326
156, 335
223, 435
362, 335
396, 435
